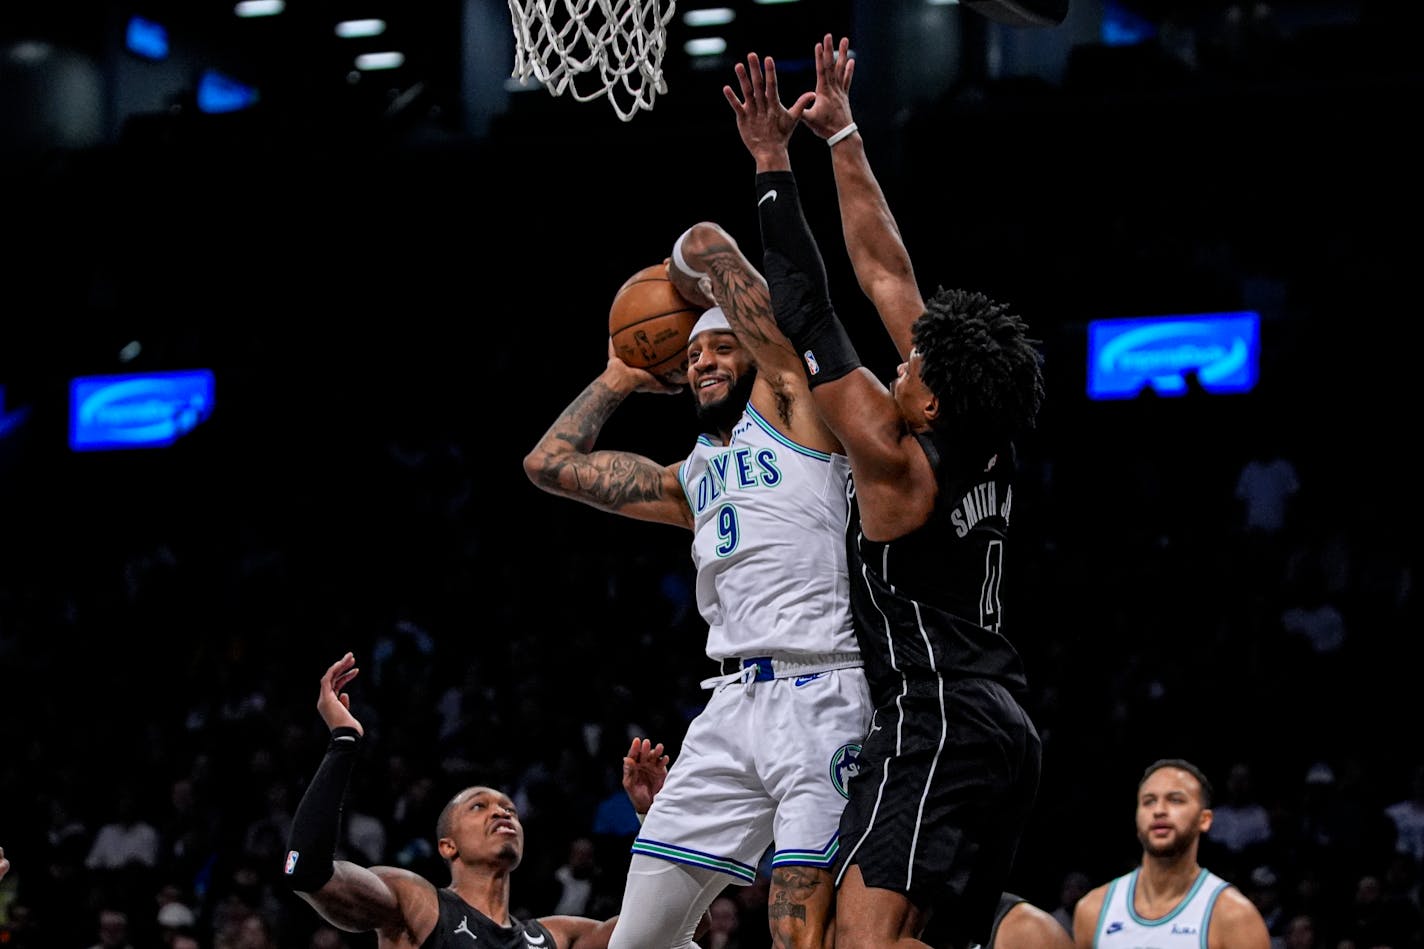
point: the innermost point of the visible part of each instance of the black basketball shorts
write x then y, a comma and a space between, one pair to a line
946, 785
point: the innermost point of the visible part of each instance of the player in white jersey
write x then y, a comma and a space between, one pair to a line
767, 514
1169, 901
768, 758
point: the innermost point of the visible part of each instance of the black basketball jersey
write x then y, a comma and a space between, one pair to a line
929, 604
461, 926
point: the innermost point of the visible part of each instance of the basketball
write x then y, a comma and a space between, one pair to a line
649, 323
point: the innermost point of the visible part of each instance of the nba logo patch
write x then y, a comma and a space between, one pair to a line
291, 862
845, 764
811, 365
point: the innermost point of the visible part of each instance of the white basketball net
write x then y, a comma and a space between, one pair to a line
591, 48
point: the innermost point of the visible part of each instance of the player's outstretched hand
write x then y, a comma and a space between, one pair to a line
834, 70
645, 768
332, 702
763, 122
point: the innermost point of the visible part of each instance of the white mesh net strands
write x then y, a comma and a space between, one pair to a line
593, 48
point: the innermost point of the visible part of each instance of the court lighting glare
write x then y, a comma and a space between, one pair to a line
707, 46
710, 16
767, 3
251, 8
355, 29
368, 62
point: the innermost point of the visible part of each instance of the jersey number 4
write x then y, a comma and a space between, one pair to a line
990, 611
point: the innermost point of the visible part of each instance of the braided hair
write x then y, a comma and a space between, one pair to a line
977, 358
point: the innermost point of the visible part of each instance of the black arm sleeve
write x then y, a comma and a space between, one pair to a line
311, 847
796, 277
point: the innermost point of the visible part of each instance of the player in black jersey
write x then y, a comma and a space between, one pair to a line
478, 832
949, 771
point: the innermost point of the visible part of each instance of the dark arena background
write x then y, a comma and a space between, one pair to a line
396, 279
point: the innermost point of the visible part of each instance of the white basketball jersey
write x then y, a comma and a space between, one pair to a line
769, 544
1119, 926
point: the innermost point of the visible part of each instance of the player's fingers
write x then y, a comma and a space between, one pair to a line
849, 74
805, 101
332, 669
744, 80
732, 100
754, 70
768, 67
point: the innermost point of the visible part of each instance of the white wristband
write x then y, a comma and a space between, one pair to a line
842, 134
678, 260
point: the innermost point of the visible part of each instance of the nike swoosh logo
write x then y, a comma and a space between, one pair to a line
770, 194
802, 680
534, 941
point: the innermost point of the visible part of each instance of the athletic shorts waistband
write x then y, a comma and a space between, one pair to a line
749, 669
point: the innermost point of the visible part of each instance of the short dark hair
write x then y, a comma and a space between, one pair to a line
445, 823
1186, 766
978, 360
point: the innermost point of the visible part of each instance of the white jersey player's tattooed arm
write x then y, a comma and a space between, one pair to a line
564, 461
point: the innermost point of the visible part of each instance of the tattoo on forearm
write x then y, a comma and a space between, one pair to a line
747, 303
608, 479
614, 478
580, 423
744, 298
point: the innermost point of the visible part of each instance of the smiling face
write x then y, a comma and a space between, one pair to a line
721, 373
480, 825
1171, 816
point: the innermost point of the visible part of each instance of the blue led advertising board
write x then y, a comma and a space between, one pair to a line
139, 410
1126, 356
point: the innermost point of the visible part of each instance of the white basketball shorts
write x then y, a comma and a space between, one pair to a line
764, 761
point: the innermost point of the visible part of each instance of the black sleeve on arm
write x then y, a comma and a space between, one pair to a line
796, 277
311, 847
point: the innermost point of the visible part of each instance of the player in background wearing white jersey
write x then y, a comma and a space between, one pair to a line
1169, 901
768, 758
